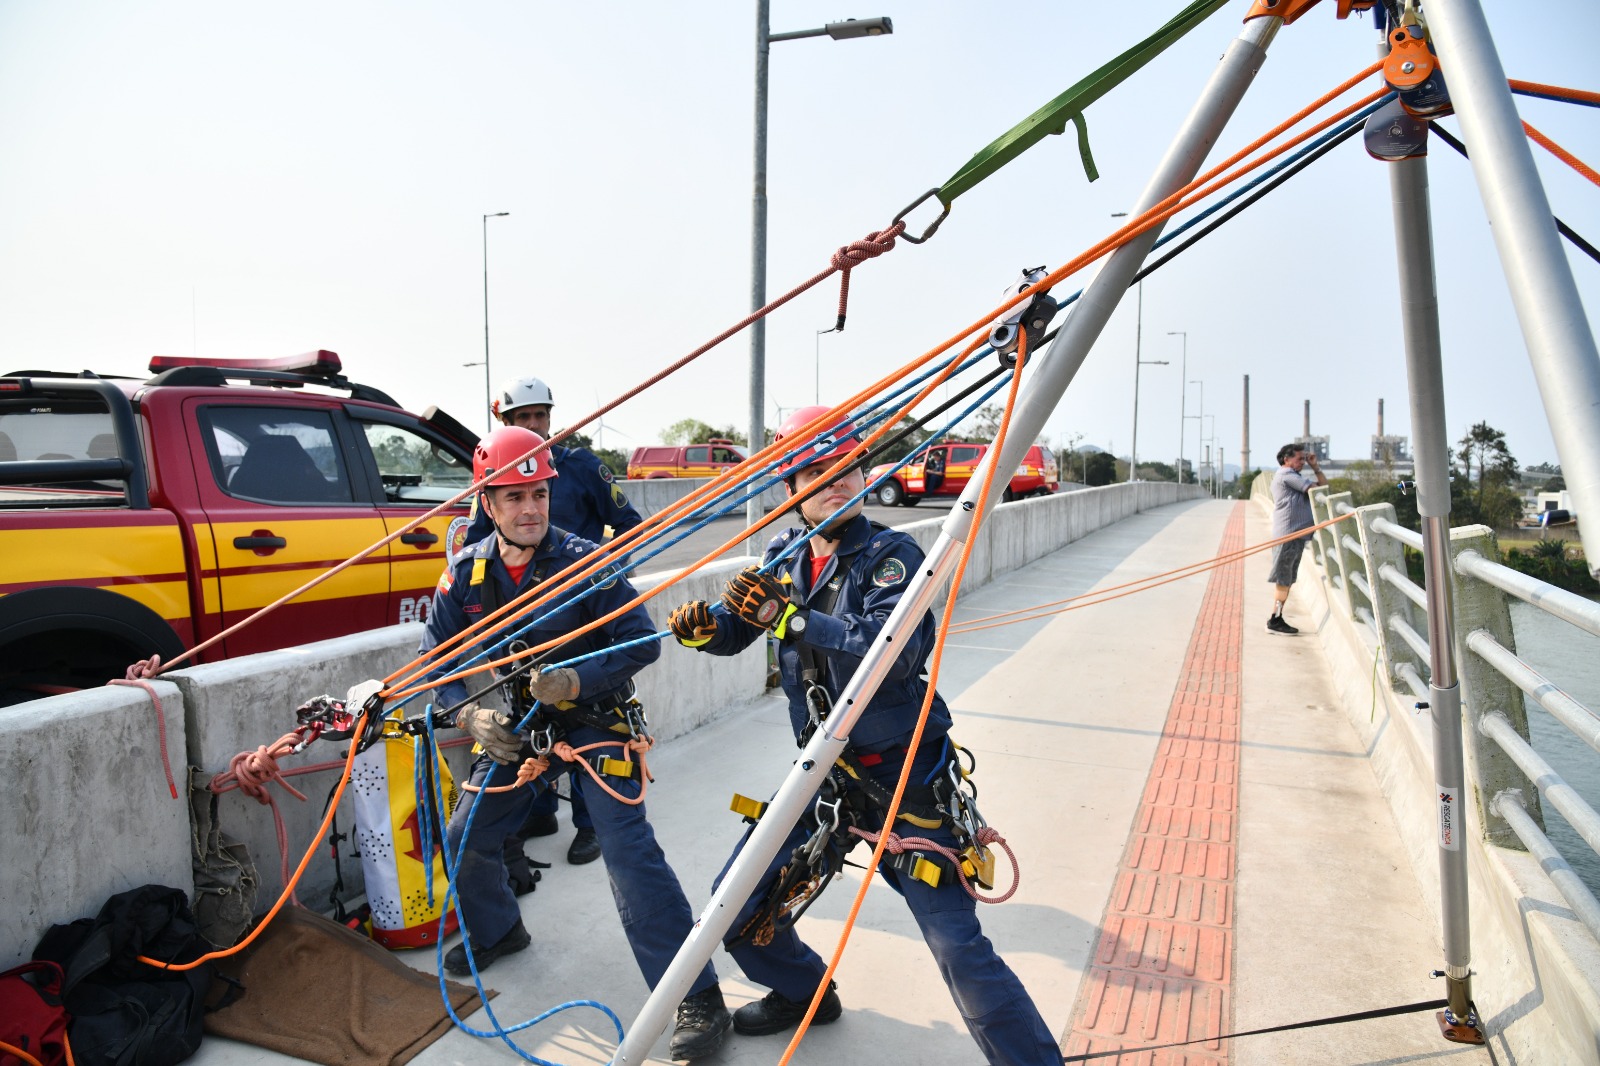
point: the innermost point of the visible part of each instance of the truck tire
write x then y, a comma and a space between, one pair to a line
912, 501
70, 637
890, 494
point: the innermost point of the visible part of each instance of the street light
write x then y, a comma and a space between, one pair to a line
1138, 361
839, 31
818, 357
488, 402
1183, 375
1198, 417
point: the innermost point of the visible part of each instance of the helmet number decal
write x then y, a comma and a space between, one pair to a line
529, 467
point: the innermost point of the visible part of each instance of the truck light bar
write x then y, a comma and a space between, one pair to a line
312, 364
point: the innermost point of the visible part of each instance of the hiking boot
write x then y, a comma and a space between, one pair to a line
455, 960
774, 1013
585, 847
1276, 624
703, 1021
541, 824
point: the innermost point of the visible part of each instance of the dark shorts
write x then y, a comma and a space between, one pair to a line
1286, 562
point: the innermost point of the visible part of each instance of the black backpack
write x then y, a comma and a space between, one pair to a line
125, 1012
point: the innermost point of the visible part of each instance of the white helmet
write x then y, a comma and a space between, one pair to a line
520, 392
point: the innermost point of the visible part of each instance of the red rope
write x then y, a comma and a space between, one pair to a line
137, 673
896, 844
854, 254
251, 772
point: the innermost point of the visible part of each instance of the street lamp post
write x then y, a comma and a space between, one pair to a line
1138, 332
817, 355
488, 402
839, 31
1199, 417
1183, 375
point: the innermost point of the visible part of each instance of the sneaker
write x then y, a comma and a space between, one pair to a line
703, 1022
774, 1013
585, 847
1277, 625
455, 960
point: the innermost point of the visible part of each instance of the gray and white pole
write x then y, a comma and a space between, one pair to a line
1056, 368
1560, 343
1419, 314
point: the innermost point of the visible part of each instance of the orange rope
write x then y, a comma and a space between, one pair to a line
288, 889
12, 1049
1143, 583
893, 812
1556, 90
1154, 216
1562, 154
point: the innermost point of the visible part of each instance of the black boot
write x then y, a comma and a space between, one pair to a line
517, 938
775, 1012
703, 1021
585, 847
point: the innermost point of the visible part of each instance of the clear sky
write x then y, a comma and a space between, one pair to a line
254, 180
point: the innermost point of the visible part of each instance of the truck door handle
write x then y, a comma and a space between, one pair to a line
420, 536
260, 542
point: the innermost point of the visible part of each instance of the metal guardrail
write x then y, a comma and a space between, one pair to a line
1364, 561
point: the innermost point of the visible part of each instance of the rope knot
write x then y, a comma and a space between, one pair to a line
855, 253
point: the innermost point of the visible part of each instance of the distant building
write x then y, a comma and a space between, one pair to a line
1390, 448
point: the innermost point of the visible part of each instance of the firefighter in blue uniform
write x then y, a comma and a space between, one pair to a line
588, 703
826, 605
585, 500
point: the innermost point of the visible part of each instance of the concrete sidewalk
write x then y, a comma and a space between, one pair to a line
1065, 716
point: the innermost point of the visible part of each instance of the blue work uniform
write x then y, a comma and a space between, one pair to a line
584, 499
865, 577
654, 911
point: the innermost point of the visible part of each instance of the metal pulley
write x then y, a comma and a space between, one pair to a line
1032, 318
1392, 133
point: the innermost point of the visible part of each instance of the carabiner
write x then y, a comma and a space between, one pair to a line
543, 739
912, 206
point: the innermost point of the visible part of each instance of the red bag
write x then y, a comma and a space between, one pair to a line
31, 1015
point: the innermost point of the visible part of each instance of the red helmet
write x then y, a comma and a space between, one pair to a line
503, 450
829, 439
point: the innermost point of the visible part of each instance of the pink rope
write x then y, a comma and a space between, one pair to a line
854, 254
251, 772
137, 673
897, 844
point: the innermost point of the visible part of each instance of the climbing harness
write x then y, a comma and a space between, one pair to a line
847, 807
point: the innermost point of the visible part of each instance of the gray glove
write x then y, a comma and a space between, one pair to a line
554, 686
492, 730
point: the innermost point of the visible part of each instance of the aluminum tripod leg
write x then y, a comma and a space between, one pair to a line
1056, 368
1560, 343
1419, 310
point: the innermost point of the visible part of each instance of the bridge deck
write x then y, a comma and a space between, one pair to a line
1202, 842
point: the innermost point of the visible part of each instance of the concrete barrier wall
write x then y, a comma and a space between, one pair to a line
92, 815
87, 811
649, 495
1537, 969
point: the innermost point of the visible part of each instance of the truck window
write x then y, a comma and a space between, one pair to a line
275, 455
697, 454
59, 429
725, 455
965, 453
413, 468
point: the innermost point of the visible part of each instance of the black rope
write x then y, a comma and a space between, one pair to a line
1566, 231
1359, 1016
1304, 162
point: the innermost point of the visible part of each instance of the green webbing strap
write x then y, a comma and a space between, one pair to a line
1069, 106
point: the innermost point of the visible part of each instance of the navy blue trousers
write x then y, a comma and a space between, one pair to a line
655, 914
993, 1004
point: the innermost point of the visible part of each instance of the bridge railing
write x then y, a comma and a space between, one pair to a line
1365, 561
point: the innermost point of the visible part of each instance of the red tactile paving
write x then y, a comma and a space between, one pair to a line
1162, 971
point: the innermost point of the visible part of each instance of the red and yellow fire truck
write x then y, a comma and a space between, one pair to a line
139, 517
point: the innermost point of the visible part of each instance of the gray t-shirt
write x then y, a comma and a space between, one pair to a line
1291, 507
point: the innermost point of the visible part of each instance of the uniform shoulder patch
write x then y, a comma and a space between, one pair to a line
445, 582
889, 572
616, 495
605, 473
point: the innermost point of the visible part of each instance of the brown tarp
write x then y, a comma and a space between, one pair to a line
318, 991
